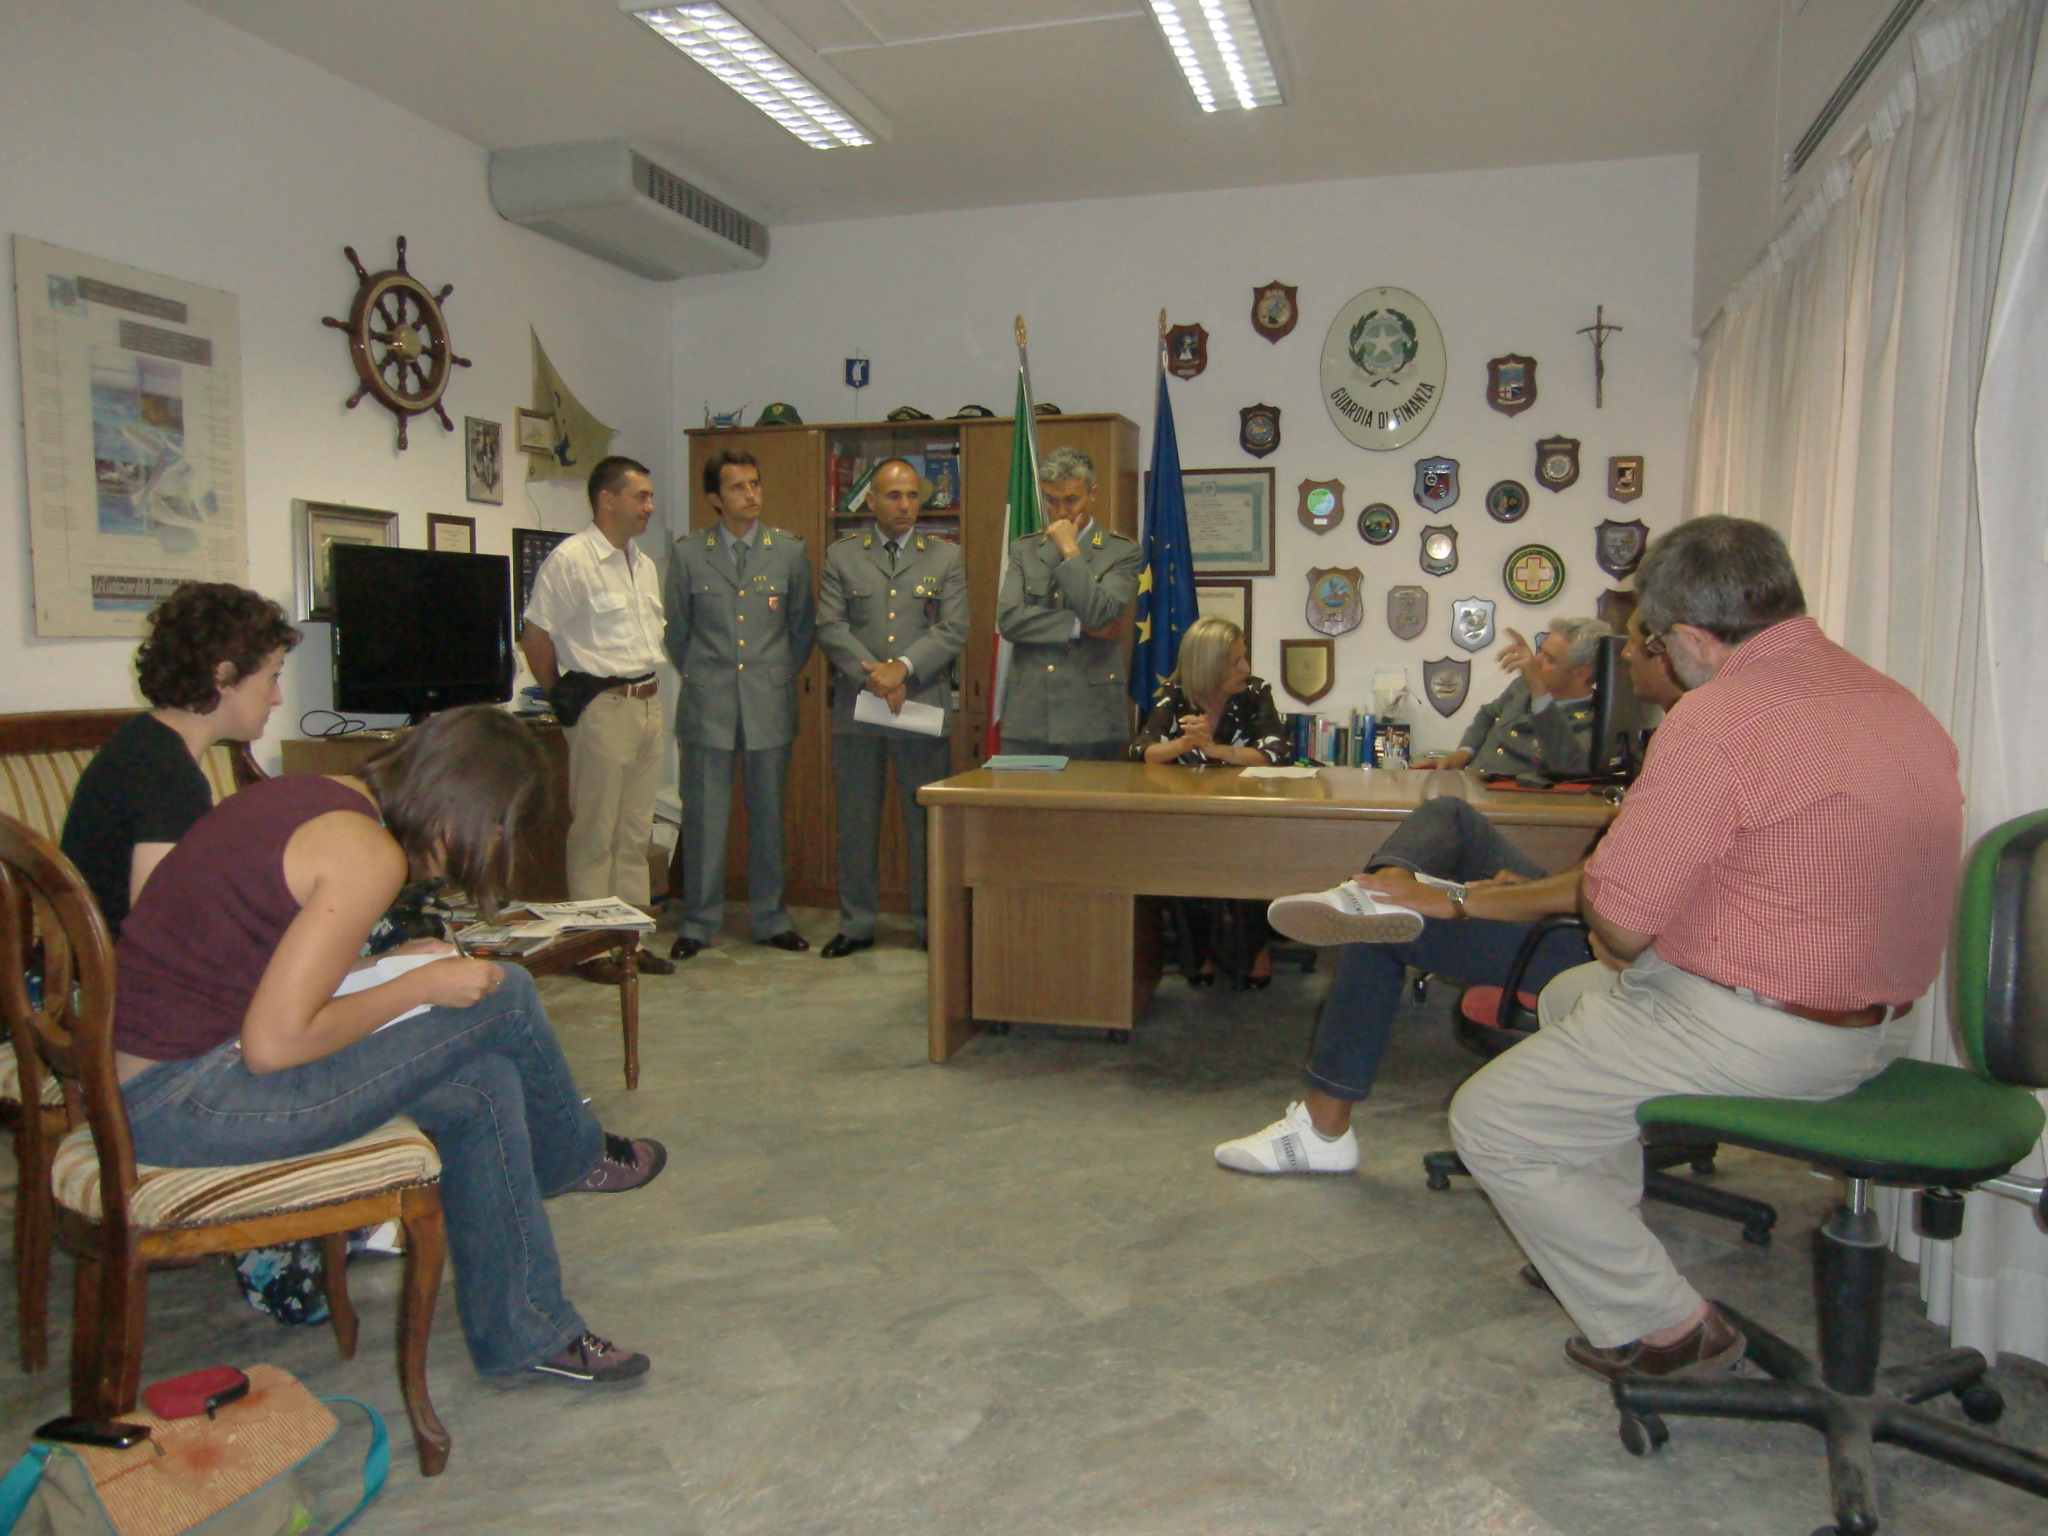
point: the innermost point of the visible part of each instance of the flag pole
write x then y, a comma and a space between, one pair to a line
1030, 397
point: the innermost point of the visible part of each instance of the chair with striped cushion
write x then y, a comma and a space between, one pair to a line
42, 757
116, 1216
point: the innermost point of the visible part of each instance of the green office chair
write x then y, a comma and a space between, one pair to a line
1943, 1129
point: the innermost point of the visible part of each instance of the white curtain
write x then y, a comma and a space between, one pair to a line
1875, 390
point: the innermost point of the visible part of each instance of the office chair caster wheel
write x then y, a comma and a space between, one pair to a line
1437, 1181
1117, 1036
1981, 1404
998, 1028
1643, 1433
1757, 1236
1703, 1167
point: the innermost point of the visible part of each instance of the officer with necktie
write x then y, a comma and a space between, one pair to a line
892, 617
1062, 607
741, 622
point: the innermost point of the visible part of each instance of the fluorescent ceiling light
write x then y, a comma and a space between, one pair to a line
1219, 48
749, 50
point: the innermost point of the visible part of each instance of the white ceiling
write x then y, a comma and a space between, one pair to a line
1022, 101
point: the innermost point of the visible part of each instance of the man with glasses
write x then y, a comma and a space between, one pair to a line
1779, 885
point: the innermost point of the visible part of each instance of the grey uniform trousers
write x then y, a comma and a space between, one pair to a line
705, 780
860, 768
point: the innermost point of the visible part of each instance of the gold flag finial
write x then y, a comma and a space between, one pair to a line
1020, 333
1162, 325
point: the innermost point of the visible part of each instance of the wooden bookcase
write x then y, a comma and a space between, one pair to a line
798, 476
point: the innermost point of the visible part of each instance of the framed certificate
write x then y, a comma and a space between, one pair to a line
1230, 600
1230, 520
451, 535
317, 526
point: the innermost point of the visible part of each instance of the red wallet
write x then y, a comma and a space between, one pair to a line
186, 1397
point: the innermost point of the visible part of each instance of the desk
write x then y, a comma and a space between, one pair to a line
1052, 933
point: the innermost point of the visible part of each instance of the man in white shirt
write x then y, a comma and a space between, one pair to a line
596, 609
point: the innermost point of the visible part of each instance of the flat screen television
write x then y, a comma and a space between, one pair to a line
416, 631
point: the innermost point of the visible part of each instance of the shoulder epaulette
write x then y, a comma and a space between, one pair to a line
848, 538
788, 535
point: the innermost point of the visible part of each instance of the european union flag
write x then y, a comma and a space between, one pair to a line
1166, 587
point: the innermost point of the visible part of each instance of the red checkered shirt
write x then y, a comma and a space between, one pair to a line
1797, 830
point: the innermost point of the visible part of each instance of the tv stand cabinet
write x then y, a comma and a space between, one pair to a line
540, 870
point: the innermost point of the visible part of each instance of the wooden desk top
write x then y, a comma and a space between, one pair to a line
1362, 794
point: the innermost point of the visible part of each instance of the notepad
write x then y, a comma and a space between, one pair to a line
924, 719
1018, 762
1279, 773
388, 968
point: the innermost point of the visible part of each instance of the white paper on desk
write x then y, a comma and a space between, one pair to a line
925, 719
1279, 773
387, 968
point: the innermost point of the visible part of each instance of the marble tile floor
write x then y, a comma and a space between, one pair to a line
1014, 1295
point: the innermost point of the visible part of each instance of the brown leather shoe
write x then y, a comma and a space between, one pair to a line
651, 964
1715, 1345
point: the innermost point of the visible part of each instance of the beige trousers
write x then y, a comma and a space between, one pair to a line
1549, 1129
614, 770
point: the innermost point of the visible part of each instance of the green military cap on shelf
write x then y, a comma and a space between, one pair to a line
973, 412
1046, 408
909, 413
780, 414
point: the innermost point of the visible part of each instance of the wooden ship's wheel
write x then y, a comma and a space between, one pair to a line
398, 339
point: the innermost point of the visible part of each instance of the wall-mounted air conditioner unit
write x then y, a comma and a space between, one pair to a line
605, 197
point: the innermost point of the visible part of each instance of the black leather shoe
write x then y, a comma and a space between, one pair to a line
789, 939
841, 946
651, 964
685, 948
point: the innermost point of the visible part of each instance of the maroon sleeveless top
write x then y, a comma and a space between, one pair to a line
196, 945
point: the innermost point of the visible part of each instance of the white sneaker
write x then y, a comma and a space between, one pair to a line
1290, 1144
1344, 914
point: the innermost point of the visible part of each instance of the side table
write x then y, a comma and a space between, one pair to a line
571, 950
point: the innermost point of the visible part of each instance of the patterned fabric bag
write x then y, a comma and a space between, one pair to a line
234, 1474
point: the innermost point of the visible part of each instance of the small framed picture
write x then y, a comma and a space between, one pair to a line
536, 432
483, 460
1231, 599
1230, 520
450, 535
317, 526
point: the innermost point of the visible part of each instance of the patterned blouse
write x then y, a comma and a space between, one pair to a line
1248, 720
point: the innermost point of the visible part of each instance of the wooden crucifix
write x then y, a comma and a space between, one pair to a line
1599, 330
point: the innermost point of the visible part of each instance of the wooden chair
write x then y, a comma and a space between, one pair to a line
41, 759
115, 1217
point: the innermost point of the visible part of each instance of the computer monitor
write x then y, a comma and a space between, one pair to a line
416, 631
1617, 716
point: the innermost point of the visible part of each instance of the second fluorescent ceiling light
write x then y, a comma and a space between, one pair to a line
1219, 48
744, 46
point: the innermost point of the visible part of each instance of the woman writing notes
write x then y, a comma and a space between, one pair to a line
233, 1047
1215, 712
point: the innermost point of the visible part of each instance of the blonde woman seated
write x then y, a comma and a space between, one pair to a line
1215, 711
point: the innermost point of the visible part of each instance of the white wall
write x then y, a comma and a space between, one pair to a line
1509, 261
150, 133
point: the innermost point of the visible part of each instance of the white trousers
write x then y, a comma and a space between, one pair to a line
1548, 1129
614, 771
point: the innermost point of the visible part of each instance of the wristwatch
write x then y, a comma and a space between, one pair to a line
1457, 895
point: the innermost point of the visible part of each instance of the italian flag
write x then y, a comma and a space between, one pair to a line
1022, 514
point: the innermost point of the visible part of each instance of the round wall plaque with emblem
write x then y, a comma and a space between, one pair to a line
1534, 573
1378, 523
1383, 368
1507, 501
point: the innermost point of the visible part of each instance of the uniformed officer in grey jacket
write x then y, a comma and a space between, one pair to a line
892, 617
1543, 723
741, 621
1062, 608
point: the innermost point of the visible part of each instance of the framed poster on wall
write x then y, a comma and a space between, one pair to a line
530, 547
1230, 600
1230, 520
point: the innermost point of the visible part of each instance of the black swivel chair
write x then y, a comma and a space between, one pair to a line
1945, 1130
1490, 1020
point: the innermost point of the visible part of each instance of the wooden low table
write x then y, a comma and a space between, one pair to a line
571, 950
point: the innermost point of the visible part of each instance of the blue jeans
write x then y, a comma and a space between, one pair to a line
488, 1084
1446, 838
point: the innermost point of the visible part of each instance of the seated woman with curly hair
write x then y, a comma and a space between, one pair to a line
233, 1047
209, 666
1215, 711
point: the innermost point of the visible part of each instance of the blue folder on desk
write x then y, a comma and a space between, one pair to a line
1019, 762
